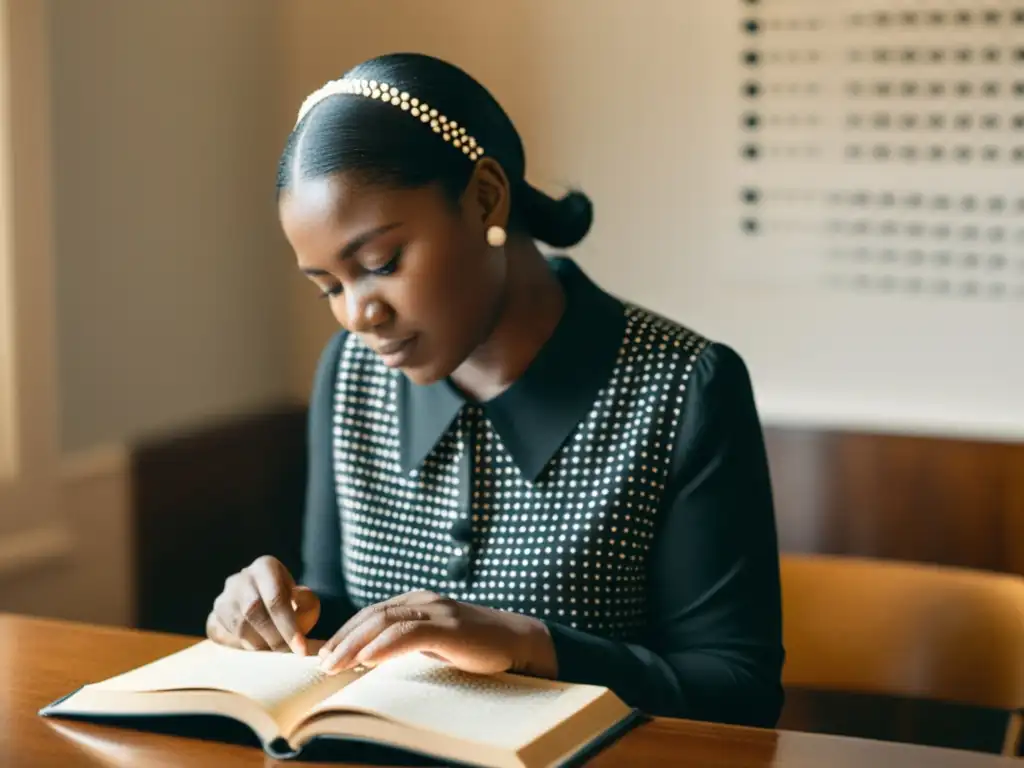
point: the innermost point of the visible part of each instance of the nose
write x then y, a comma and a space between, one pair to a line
364, 312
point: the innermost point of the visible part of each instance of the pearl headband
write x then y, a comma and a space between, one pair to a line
450, 131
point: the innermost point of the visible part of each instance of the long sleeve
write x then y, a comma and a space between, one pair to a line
714, 647
321, 535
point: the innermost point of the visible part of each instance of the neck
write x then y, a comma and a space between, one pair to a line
532, 307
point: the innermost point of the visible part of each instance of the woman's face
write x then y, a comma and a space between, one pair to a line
408, 272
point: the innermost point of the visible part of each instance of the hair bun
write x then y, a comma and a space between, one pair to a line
561, 222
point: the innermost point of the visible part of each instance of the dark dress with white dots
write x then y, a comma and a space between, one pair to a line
618, 491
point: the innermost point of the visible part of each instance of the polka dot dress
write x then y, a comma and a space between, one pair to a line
569, 546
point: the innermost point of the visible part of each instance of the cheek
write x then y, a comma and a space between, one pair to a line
467, 285
429, 280
448, 287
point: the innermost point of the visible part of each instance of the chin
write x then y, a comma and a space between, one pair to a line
431, 371
424, 375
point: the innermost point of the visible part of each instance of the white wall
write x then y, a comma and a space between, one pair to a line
170, 264
171, 273
81, 569
65, 531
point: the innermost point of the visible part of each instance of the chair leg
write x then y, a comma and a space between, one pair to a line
1014, 741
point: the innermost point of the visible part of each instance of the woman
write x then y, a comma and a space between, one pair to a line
510, 468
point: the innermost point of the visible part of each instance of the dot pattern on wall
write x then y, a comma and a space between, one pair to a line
880, 145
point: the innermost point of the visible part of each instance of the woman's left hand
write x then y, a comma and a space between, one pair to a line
470, 637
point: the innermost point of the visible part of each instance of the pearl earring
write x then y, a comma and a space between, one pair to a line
495, 237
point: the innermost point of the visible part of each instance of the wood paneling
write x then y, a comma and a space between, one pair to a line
208, 503
909, 498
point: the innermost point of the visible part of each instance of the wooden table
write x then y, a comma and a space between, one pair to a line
41, 660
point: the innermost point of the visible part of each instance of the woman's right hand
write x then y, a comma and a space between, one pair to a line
262, 608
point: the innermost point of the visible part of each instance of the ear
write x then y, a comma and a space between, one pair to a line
487, 201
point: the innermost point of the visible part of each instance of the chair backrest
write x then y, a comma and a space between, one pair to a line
860, 625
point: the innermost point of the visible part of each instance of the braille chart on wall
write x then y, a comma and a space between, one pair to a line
879, 159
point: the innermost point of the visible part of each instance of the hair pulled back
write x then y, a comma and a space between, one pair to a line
383, 144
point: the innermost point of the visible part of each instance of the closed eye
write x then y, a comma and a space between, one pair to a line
387, 269
392, 266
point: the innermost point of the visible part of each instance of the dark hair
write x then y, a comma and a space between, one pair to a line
384, 144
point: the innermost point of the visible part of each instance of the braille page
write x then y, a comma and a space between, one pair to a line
279, 682
502, 710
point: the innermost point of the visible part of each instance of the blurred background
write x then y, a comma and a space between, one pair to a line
834, 189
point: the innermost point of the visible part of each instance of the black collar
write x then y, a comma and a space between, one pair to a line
540, 410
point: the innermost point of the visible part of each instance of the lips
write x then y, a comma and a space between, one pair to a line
395, 353
392, 347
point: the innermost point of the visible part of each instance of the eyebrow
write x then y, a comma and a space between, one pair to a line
353, 246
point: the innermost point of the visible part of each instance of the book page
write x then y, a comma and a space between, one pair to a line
500, 710
284, 684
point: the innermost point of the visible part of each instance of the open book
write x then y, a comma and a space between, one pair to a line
412, 703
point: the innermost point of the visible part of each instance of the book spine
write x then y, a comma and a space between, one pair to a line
605, 739
280, 749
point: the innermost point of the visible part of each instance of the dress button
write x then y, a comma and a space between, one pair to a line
462, 530
458, 566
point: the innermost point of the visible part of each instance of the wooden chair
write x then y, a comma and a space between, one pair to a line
857, 625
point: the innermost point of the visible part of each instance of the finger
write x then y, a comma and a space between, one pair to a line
344, 654
275, 586
220, 634
356, 620
401, 637
307, 609
339, 650
419, 597
251, 608
231, 622
252, 640
226, 606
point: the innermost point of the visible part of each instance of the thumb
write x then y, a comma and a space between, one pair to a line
307, 608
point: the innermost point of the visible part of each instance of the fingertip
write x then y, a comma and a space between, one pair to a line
303, 597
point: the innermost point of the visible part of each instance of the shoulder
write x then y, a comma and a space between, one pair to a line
716, 406
721, 370
709, 363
